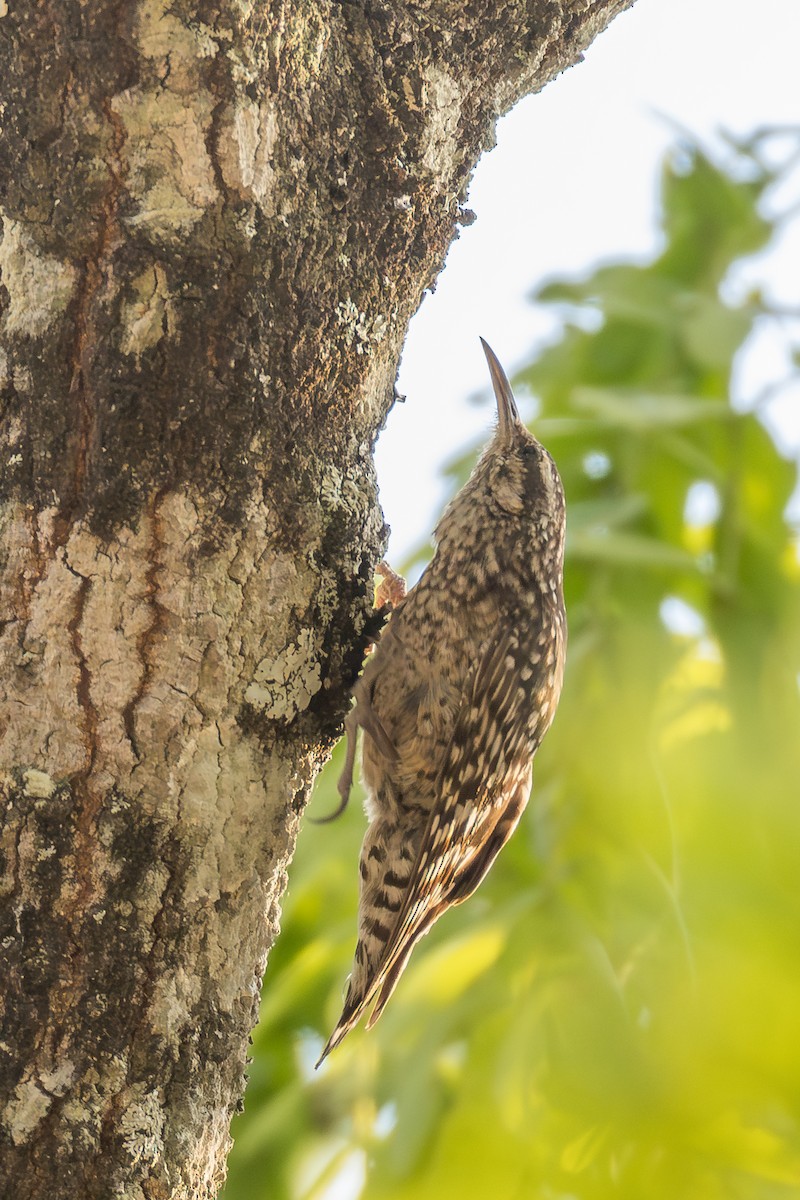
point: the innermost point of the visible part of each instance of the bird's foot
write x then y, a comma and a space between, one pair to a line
392, 587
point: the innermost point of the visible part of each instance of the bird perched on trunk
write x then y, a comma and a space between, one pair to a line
454, 702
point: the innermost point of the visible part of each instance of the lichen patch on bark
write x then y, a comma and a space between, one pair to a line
442, 98
38, 783
246, 151
149, 315
142, 1127
39, 286
169, 171
161, 34
28, 1108
162, 640
284, 684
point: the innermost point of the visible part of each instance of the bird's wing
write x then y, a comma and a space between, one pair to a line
482, 789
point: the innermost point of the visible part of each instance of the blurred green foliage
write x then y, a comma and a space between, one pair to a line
616, 1013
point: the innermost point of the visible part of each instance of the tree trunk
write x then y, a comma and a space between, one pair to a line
217, 220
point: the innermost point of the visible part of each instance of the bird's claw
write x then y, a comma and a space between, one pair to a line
392, 587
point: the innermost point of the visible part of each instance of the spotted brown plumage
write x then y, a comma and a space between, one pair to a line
454, 702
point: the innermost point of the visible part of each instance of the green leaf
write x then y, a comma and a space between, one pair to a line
628, 549
641, 412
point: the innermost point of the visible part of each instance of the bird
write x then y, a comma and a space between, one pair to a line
454, 701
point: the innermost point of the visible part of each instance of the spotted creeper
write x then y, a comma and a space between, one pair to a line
455, 701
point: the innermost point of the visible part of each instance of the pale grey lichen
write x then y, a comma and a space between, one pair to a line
170, 172
38, 784
56, 1082
246, 154
442, 103
168, 167
359, 328
161, 33
142, 1128
283, 685
150, 315
29, 1106
39, 286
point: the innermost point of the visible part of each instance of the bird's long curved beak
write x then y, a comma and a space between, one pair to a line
507, 413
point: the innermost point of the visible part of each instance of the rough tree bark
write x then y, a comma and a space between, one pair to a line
217, 220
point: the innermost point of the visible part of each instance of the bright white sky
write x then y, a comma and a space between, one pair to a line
574, 179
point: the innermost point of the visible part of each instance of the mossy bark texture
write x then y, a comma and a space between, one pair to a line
217, 220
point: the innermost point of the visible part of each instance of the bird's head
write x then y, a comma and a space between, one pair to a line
511, 509
520, 476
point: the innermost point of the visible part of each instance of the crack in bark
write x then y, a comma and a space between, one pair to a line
147, 637
84, 685
94, 276
219, 85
